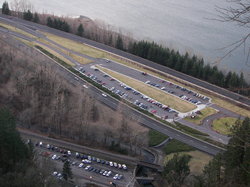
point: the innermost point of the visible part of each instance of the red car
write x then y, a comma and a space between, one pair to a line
154, 111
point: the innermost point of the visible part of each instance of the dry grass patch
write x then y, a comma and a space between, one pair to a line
76, 46
56, 54
164, 98
198, 161
15, 29
77, 58
208, 111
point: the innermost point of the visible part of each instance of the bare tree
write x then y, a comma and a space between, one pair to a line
19, 6
238, 12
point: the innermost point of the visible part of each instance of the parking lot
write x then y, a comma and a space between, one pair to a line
134, 96
87, 166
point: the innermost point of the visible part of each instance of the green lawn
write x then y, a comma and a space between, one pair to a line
223, 125
155, 137
208, 111
175, 146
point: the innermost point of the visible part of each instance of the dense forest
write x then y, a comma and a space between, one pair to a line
190, 65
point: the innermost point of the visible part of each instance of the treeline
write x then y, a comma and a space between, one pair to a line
190, 65
19, 163
59, 24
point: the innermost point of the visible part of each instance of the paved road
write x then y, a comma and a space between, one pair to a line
112, 103
203, 84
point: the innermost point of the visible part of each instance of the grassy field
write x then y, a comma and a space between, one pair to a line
208, 111
174, 146
155, 137
78, 58
14, 29
223, 125
164, 98
197, 162
56, 54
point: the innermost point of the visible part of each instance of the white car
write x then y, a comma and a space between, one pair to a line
104, 95
115, 164
69, 153
85, 86
116, 176
124, 166
80, 165
108, 174
54, 173
111, 164
53, 157
87, 167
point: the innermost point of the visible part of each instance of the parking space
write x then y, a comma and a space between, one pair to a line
86, 165
137, 98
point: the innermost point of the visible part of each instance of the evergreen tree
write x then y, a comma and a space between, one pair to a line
36, 18
49, 22
28, 15
80, 30
119, 43
5, 8
67, 173
212, 172
237, 156
13, 150
232, 168
177, 169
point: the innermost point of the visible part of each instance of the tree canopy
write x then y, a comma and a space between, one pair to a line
67, 172
232, 168
13, 150
5, 8
80, 30
177, 169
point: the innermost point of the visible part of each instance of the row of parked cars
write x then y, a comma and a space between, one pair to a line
194, 101
184, 97
193, 93
103, 172
87, 159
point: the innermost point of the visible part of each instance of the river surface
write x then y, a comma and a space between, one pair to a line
186, 25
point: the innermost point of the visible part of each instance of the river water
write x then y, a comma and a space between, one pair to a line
186, 25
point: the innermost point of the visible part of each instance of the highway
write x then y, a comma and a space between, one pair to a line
200, 83
113, 103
